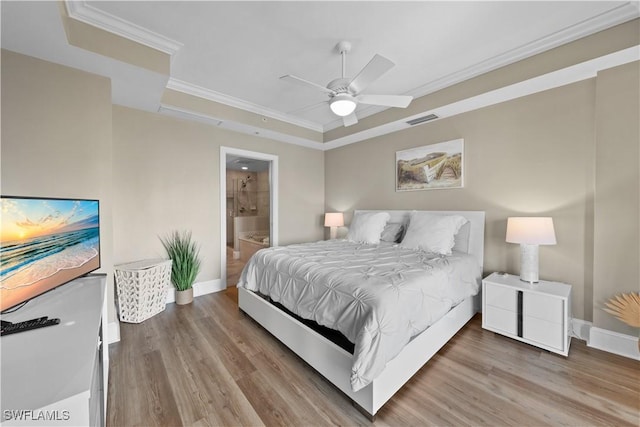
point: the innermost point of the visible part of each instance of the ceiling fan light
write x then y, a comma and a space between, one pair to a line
342, 105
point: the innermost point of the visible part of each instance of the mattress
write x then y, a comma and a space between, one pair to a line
378, 296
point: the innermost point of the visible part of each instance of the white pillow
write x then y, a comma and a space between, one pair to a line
367, 227
432, 233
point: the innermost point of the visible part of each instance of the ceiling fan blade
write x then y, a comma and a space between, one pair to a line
370, 73
349, 120
400, 101
303, 82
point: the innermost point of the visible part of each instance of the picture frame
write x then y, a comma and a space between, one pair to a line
431, 167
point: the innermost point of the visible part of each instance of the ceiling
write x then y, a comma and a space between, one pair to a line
239, 163
239, 50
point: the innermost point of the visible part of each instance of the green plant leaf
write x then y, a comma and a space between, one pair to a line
185, 255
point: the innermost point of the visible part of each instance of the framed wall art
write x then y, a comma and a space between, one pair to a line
435, 166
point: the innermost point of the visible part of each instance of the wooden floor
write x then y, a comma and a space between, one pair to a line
234, 268
207, 364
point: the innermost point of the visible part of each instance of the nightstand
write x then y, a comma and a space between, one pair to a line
538, 314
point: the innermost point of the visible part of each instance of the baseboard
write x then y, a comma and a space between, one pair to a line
113, 332
200, 288
605, 340
614, 342
580, 329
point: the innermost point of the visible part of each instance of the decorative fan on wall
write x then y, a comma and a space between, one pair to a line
345, 93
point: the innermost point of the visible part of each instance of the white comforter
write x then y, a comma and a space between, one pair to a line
378, 296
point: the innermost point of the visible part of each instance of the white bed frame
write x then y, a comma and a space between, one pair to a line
334, 363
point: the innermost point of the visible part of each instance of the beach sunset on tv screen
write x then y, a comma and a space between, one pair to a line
45, 243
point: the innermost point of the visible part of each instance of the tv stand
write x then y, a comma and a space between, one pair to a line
58, 376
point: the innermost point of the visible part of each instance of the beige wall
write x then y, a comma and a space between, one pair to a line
62, 137
166, 176
56, 138
531, 156
545, 154
571, 153
594, 46
617, 191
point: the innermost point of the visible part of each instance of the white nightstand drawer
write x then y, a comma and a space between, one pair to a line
501, 320
501, 297
543, 307
537, 314
543, 332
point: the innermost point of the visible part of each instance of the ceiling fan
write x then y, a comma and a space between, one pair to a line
345, 93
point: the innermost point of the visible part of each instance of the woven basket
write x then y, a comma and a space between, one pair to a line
142, 289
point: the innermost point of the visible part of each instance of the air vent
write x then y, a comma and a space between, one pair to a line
423, 119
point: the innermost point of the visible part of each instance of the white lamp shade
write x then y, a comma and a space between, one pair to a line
531, 230
333, 219
342, 105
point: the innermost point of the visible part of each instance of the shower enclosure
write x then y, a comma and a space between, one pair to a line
247, 207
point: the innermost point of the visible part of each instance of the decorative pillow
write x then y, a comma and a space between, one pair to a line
392, 232
367, 227
432, 233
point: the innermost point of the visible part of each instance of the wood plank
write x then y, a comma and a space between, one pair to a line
160, 402
205, 364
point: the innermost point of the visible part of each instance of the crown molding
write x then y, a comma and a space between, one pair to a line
611, 18
81, 11
212, 95
572, 74
235, 126
554, 79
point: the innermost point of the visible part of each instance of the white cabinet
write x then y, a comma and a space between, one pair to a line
58, 375
538, 314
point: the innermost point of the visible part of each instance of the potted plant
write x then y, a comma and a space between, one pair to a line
186, 263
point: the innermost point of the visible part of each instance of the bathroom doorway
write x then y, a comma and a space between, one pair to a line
248, 208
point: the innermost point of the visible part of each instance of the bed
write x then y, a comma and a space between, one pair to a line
368, 388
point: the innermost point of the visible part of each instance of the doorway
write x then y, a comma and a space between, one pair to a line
248, 208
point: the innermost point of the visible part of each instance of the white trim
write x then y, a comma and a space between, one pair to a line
614, 342
83, 12
113, 333
580, 329
605, 340
273, 200
235, 126
200, 288
562, 77
603, 21
565, 76
182, 113
608, 19
212, 95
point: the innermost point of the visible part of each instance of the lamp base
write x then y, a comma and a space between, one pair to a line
333, 232
529, 263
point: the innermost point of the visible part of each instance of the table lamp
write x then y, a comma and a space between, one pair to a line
333, 220
530, 232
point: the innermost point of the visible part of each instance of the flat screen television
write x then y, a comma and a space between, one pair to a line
45, 243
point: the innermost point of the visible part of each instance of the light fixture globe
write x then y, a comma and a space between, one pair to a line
342, 104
